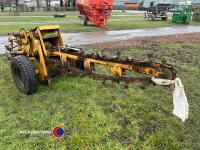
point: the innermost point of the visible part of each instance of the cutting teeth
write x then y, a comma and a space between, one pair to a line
115, 57
118, 53
102, 55
150, 57
98, 55
130, 58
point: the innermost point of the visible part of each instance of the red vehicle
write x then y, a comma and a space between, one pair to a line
95, 11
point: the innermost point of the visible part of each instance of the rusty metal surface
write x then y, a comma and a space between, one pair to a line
78, 55
72, 71
169, 71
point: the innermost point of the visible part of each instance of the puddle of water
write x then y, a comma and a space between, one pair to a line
99, 37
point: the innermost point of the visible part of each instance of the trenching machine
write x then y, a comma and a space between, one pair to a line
40, 54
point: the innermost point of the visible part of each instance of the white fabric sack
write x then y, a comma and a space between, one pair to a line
181, 106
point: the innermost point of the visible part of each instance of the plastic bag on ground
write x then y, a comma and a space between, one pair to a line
181, 106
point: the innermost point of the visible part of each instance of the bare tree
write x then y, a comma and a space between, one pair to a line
17, 5
4, 3
74, 3
70, 3
38, 4
48, 4
61, 3
10, 4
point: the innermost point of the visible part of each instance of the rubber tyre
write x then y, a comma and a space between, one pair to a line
84, 20
24, 74
152, 17
164, 18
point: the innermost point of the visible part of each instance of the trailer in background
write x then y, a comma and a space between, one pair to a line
158, 11
97, 12
152, 3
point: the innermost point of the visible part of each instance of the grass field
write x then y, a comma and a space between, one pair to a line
32, 22
51, 18
96, 116
38, 13
68, 13
77, 27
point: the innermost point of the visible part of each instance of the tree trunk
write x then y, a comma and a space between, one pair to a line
74, 3
17, 5
10, 7
48, 4
61, 3
68, 3
2, 7
38, 4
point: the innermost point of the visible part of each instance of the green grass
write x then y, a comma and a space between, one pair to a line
51, 18
68, 13
138, 24
77, 27
96, 116
35, 19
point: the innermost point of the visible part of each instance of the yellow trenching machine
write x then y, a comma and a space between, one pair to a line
41, 54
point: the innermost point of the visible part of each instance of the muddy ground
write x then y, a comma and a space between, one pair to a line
85, 38
184, 48
192, 38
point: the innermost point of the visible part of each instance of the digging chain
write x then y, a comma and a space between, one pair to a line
74, 71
